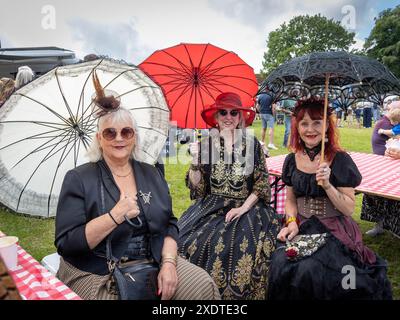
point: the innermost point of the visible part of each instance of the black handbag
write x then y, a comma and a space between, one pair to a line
134, 280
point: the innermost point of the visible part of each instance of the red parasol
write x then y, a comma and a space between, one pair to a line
193, 75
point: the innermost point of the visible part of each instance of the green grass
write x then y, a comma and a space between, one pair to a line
37, 235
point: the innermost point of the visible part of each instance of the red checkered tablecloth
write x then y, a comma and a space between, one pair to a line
281, 196
35, 282
381, 175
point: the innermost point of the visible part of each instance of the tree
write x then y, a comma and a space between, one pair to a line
383, 42
303, 35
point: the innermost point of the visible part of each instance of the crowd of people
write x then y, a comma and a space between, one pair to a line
8, 85
360, 115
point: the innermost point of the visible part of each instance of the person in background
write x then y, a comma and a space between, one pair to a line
377, 209
7, 90
367, 114
350, 116
394, 118
267, 113
359, 112
23, 77
339, 113
287, 109
375, 112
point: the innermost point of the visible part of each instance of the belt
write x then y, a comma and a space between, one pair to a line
321, 207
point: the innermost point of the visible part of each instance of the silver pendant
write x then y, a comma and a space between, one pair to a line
145, 196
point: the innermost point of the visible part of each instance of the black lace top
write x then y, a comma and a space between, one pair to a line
344, 173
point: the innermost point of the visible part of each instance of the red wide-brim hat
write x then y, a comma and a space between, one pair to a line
227, 100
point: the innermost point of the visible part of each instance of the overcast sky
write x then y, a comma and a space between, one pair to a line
132, 30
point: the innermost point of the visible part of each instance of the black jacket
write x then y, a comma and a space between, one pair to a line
80, 202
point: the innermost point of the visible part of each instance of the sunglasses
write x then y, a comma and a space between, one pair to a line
111, 133
224, 112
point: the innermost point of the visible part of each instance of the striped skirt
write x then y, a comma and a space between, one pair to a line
193, 283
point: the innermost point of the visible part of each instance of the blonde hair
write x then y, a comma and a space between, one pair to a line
94, 152
394, 115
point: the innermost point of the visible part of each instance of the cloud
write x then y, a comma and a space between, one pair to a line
256, 13
132, 30
118, 40
359, 45
269, 14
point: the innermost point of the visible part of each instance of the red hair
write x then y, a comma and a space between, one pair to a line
315, 109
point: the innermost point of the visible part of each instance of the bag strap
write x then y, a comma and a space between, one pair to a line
111, 260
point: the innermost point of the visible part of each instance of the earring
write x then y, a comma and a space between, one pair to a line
326, 139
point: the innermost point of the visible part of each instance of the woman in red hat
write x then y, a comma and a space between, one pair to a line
230, 230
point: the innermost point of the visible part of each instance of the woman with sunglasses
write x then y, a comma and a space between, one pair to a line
118, 200
230, 230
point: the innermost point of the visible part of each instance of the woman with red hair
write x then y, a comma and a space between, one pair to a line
324, 257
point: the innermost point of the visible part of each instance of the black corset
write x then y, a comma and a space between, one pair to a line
138, 248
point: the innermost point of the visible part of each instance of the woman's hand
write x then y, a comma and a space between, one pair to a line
126, 206
194, 151
235, 213
393, 153
322, 175
288, 232
167, 281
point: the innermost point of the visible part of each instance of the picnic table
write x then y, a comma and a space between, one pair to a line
380, 176
35, 282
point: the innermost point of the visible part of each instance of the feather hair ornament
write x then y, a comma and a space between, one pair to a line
109, 103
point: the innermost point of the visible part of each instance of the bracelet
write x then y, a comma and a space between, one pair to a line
171, 259
115, 221
175, 258
290, 219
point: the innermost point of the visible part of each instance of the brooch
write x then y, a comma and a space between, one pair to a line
145, 196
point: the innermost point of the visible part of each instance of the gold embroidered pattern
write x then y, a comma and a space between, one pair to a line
268, 248
218, 273
220, 246
242, 274
244, 245
192, 248
237, 172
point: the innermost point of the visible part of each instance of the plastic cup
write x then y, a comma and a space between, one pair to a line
8, 251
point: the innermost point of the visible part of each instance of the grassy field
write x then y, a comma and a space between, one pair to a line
37, 235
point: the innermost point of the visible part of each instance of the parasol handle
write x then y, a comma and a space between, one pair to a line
324, 121
197, 138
